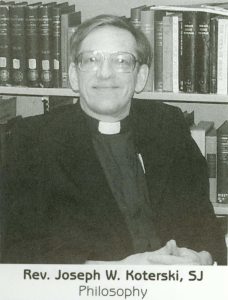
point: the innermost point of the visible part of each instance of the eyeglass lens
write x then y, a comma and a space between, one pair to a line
120, 61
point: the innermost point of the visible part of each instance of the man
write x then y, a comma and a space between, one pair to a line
110, 179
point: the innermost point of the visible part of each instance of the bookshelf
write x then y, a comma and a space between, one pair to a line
42, 92
90, 8
164, 96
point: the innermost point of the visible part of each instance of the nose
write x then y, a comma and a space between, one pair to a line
105, 70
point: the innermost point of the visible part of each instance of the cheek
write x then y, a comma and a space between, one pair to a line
84, 83
129, 84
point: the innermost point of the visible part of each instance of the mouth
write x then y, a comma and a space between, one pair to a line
104, 87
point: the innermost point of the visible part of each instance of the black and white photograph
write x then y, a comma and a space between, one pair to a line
113, 148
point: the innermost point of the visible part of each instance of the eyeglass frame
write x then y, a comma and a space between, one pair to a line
104, 56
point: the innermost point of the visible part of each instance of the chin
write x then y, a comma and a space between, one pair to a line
109, 111
104, 105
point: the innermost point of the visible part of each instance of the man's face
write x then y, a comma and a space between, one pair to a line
105, 93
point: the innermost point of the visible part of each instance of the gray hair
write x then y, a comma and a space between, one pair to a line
143, 46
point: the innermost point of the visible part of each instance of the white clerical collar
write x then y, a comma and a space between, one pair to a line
109, 128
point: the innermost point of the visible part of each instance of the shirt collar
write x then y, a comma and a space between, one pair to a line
108, 128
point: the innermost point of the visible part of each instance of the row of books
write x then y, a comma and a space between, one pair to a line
34, 43
213, 143
190, 47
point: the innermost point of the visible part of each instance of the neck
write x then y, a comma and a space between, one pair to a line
105, 118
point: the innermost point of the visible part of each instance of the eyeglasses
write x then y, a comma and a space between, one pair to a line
121, 62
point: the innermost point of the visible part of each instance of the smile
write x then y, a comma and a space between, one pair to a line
105, 87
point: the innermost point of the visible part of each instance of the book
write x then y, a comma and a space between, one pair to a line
211, 157
56, 46
68, 20
4, 45
213, 54
158, 50
193, 8
203, 52
32, 45
45, 26
147, 27
198, 133
189, 51
17, 38
218, 6
66, 9
64, 43
171, 53
70, 32
222, 162
222, 56
63, 4
181, 68
206, 125
135, 15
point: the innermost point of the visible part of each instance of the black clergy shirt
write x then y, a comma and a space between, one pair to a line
124, 172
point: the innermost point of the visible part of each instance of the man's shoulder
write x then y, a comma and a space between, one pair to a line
157, 112
36, 125
155, 107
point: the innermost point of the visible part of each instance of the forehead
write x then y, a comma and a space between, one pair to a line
109, 39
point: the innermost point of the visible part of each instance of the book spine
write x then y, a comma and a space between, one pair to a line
167, 54
211, 157
17, 36
181, 79
203, 52
213, 55
32, 48
70, 32
46, 75
222, 57
147, 27
189, 46
4, 46
170, 53
136, 15
69, 20
158, 51
66, 9
222, 168
56, 46
175, 64
64, 69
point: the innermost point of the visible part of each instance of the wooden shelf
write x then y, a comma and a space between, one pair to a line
183, 97
27, 91
220, 209
164, 96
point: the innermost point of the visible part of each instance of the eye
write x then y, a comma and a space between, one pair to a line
89, 58
92, 59
121, 60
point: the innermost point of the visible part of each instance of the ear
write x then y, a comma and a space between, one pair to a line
141, 79
73, 77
